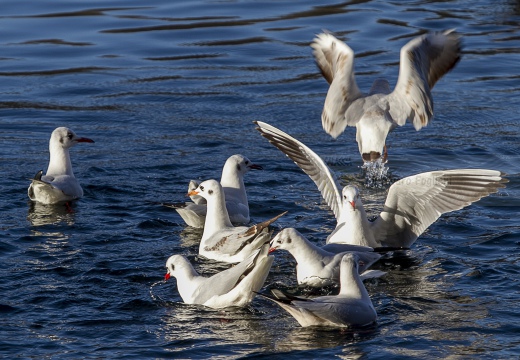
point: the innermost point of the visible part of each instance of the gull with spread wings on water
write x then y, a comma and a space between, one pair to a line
412, 204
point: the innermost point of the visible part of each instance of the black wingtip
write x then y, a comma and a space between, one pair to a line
38, 175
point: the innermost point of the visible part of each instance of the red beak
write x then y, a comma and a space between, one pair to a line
353, 204
273, 249
84, 140
167, 276
256, 167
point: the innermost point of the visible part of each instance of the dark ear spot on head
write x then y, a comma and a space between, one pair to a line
289, 240
238, 167
61, 140
210, 192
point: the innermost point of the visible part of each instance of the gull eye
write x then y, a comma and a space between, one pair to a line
201, 188
247, 162
70, 136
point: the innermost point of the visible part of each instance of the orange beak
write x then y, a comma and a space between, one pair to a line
192, 193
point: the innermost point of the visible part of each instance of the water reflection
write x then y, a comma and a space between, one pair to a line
181, 326
41, 214
309, 338
190, 237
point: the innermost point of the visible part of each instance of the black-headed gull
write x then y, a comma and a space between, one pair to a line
412, 204
424, 60
352, 307
58, 184
235, 286
232, 180
318, 267
221, 240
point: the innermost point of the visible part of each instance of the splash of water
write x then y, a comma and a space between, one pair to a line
376, 174
154, 297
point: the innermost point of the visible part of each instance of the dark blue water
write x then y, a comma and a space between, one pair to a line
169, 90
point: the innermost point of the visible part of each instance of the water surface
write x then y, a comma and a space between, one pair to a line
169, 90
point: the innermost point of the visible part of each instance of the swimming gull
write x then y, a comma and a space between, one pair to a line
318, 267
232, 180
352, 307
221, 240
235, 286
59, 183
423, 61
412, 204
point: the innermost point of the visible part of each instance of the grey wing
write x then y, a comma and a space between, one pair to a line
59, 187
68, 185
224, 281
308, 161
238, 212
424, 60
338, 310
366, 257
335, 60
415, 202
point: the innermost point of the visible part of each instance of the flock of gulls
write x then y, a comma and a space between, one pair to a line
221, 208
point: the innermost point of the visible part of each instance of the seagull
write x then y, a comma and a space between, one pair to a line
235, 286
232, 180
318, 267
412, 203
352, 307
221, 241
59, 183
424, 60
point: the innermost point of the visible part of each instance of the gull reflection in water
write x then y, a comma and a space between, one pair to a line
190, 237
41, 214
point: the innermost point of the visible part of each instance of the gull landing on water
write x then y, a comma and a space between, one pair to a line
232, 181
412, 204
221, 241
59, 183
352, 307
424, 60
235, 286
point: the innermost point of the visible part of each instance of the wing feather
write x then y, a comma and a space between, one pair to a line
335, 59
308, 161
424, 60
415, 202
